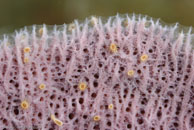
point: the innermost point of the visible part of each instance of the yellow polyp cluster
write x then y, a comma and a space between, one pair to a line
144, 57
40, 31
27, 49
110, 106
82, 86
24, 104
56, 121
26, 59
42, 86
96, 118
113, 47
130, 73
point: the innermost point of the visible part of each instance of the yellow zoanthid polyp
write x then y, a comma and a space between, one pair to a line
96, 118
110, 106
42, 86
26, 60
94, 20
27, 49
52, 116
82, 86
144, 57
40, 31
71, 27
125, 23
113, 47
24, 104
56, 121
130, 73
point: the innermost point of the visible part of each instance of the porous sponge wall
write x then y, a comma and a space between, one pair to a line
115, 74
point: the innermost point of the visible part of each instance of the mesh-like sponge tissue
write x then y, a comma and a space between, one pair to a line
119, 73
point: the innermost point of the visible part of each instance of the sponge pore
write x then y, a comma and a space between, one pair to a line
119, 73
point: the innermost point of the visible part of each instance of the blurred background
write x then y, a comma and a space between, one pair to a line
15, 14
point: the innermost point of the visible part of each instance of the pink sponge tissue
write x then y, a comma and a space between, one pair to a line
116, 73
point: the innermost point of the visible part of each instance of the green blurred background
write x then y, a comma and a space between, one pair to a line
15, 14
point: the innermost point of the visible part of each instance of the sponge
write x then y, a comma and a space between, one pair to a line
117, 73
